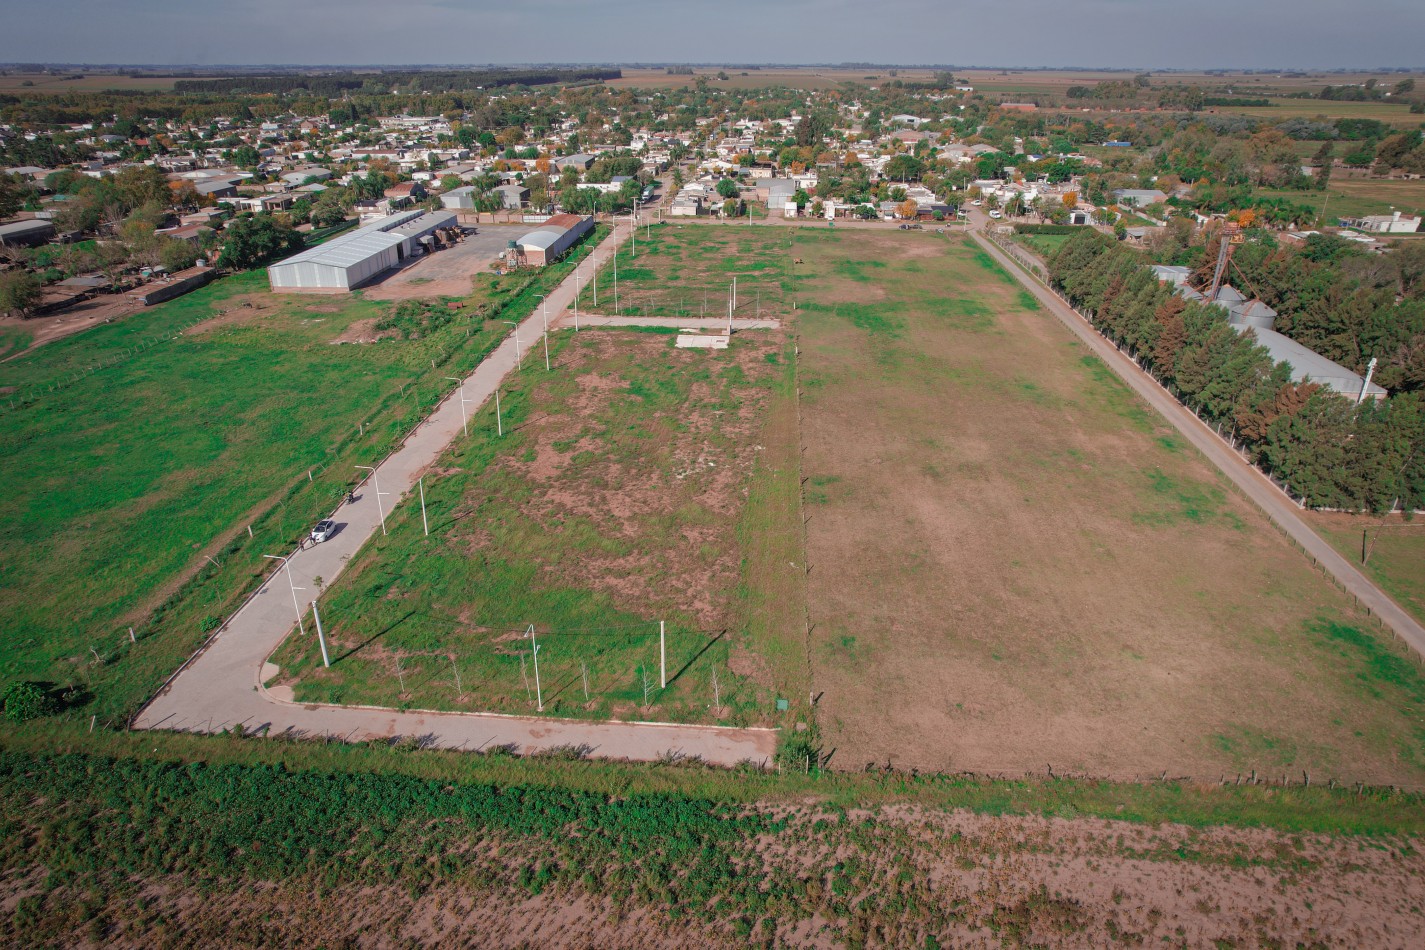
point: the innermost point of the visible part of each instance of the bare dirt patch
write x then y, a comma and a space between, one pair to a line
364, 331
76, 319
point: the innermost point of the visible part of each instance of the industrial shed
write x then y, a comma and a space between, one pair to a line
352, 259
553, 238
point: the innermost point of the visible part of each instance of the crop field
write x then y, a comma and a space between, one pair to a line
1357, 197
1280, 110
147, 852
1013, 564
633, 484
687, 271
27, 84
143, 452
809, 77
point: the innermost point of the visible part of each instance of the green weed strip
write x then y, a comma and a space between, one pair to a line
106, 652
89, 838
602, 559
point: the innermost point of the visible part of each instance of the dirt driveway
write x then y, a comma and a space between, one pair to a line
76, 319
447, 273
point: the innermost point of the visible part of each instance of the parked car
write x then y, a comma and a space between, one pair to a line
324, 529
996, 214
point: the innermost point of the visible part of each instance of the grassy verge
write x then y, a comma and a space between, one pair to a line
157, 443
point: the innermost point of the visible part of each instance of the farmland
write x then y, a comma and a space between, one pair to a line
301, 855
635, 483
145, 450
1013, 563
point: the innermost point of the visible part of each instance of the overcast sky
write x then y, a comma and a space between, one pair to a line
1120, 33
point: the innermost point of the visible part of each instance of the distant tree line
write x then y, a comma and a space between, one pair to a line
1326, 449
336, 84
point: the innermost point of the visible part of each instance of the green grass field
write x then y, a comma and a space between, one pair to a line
625, 491
1397, 114
146, 449
687, 271
1357, 197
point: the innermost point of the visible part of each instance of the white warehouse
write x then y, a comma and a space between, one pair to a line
350, 260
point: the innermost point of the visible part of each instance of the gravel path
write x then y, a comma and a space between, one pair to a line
1252, 482
222, 685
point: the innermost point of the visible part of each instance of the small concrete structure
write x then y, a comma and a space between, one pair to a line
702, 341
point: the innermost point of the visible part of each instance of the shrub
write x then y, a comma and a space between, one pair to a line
26, 700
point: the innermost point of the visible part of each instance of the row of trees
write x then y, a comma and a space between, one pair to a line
1326, 449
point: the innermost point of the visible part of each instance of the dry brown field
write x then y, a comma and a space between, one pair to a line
1015, 566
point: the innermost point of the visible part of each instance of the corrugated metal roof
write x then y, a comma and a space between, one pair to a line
1308, 364
542, 238
353, 248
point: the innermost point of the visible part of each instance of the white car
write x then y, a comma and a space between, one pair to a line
996, 214
324, 529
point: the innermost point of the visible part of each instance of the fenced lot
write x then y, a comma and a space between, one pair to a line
687, 270
635, 483
1015, 565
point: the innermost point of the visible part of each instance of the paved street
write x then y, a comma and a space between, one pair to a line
222, 686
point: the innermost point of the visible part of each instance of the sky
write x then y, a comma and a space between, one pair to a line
1139, 34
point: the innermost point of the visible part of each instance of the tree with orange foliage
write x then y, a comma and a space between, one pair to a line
542, 164
1071, 200
907, 208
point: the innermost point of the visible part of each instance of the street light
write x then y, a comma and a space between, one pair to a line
518, 363
464, 424
545, 312
287, 564
577, 265
380, 509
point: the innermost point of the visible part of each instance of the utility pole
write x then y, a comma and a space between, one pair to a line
662, 657
499, 426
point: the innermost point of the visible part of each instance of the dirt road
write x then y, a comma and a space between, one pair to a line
1252, 482
222, 685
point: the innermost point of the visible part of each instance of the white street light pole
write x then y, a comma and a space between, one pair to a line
596, 281
538, 694
616, 309
321, 637
424, 523
662, 657
464, 421
286, 563
545, 316
499, 426
518, 363
576, 296
380, 509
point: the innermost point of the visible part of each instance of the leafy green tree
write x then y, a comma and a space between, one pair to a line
727, 188
19, 292
253, 240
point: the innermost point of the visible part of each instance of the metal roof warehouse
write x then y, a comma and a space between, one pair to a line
550, 240
352, 259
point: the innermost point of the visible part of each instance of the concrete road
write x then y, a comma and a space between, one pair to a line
222, 685
1252, 482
